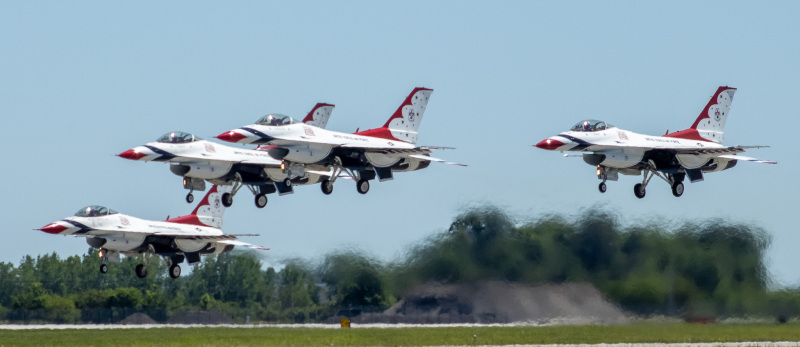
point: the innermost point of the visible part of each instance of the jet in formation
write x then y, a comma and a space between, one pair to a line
198, 160
175, 239
672, 157
304, 148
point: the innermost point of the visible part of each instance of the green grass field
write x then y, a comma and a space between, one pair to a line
633, 333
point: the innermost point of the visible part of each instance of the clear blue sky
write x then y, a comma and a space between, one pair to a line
83, 81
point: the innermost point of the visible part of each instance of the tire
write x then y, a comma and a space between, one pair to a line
103, 268
639, 190
602, 187
227, 199
261, 200
189, 198
175, 271
326, 186
677, 189
362, 186
287, 182
141, 271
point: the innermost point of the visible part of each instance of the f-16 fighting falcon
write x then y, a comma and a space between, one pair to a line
198, 160
672, 157
176, 239
362, 156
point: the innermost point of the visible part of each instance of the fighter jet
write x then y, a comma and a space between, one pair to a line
176, 239
672, 157
198, 161
360, 156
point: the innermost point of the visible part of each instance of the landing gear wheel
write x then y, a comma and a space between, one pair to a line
261, 200
677, 189
175, 271
141, 271
327, 187
189, 198
362, 186
103, 268
227, 199
602, 187
638, 190
287, 182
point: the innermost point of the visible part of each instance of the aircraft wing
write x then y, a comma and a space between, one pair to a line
242, 244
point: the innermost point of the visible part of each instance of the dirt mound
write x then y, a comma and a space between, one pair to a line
138, 318
200, 317
500, 302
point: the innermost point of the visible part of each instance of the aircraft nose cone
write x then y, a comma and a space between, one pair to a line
549, 144
53, 228
231, 136
132, 154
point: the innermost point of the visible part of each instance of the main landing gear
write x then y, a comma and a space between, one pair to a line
141, 271
675, 181
362, 186
362, 183
327, 186
259, 194
677, 189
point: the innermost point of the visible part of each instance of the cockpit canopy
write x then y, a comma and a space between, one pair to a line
94, 211
591, 125
275, 119
178, 137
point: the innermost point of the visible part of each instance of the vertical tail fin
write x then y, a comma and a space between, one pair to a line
404, 123
319, 115
209, 211
710, 124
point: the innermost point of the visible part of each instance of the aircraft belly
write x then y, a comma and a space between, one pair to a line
309, 154
208, 170
692, 161
622, 158
382, 160
124, 242
190, 245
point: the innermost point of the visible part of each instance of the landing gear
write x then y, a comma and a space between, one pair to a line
362, 186
174, 271
602, 187
141, 271
326, 186
261, 200
677, 189
189, 198
287, 182
103, 268
639, 190
227, 199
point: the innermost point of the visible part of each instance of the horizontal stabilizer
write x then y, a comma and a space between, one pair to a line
242, 244
741, 157
429, 158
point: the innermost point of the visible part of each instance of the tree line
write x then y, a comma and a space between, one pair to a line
713, 267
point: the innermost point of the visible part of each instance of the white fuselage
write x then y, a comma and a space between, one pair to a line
624, 149
309, 144
125, 233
